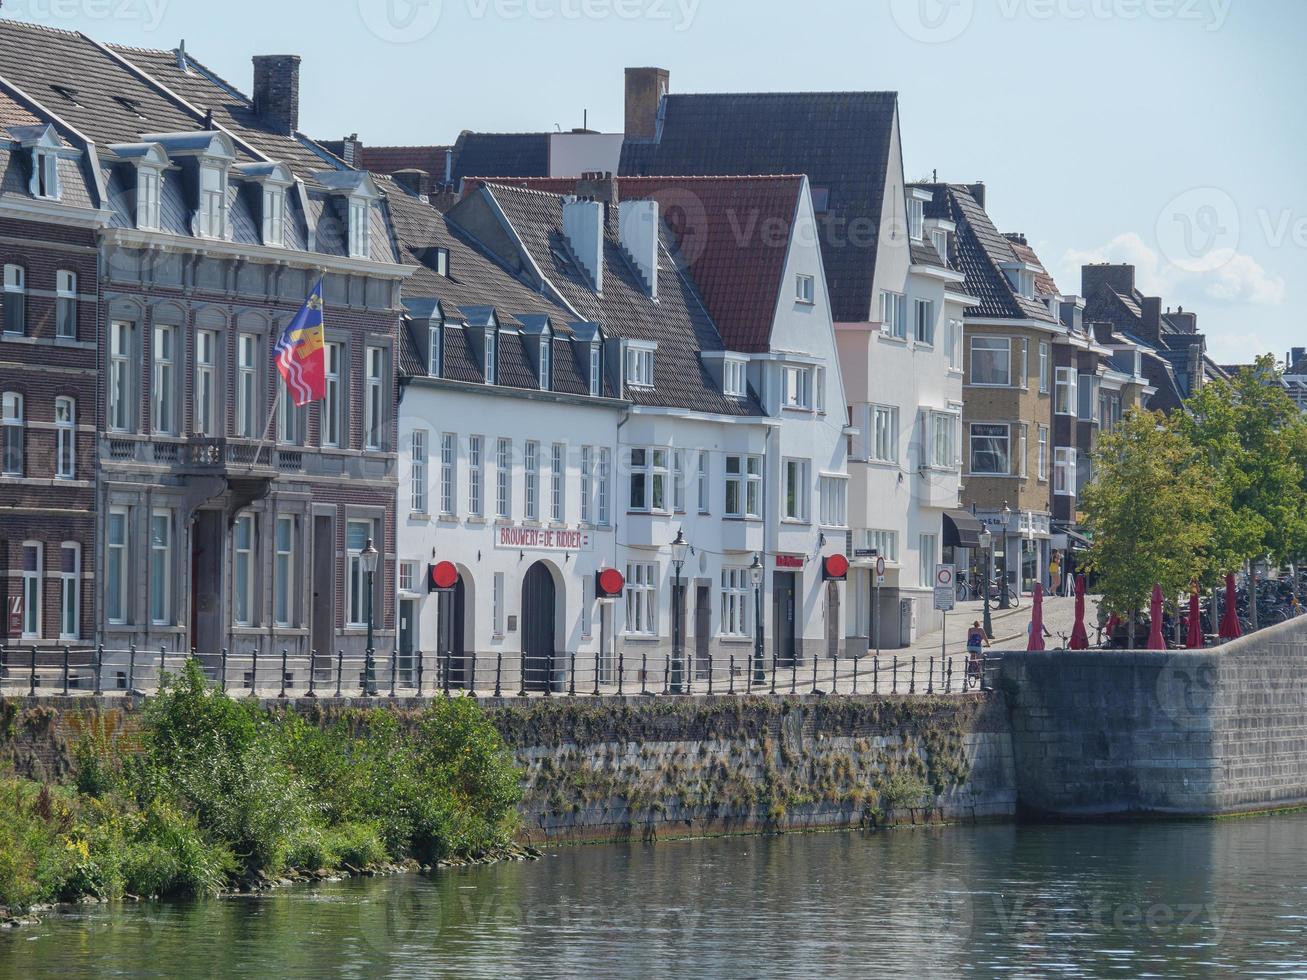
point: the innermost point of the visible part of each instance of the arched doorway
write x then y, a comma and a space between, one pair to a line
453, 631
538, 610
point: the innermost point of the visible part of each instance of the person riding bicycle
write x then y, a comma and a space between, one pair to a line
977, 639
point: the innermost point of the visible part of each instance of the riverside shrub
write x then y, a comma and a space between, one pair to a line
224, 791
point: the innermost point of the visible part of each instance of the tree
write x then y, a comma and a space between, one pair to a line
1255, 438
1153, 506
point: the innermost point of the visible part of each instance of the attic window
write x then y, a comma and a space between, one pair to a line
546, 362
640, 366
68, 93
733, 378
491, 369
131, 105
916, 218
596, 362
148, 185
45, 174
436, 350
213, 202
939, 238
274, 216
821, 199
360, 228
442, 262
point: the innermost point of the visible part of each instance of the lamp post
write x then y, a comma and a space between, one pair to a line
368, 556
755, 573
679, 549
987, 545
1004, 596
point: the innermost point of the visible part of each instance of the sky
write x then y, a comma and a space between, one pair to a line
1167, 133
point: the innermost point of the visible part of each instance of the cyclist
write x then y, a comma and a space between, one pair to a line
977, 639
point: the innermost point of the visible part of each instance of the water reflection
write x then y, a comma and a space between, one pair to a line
1187, 899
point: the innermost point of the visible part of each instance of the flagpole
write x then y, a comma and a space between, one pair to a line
267, 429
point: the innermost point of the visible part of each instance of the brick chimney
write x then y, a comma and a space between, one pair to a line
352, 151
416, 182
277, 91
978, 192
1152, 309
645, 88
1182, 321
1120, 278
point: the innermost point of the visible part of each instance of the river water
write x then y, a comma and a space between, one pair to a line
1194, 899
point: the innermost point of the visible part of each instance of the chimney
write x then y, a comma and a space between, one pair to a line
645, 88
416, 182
638, 227
1120, 278
277, 91
1152, 310
1296, 355
978, 192
599, 187
1184, 322
352, 150
583, 225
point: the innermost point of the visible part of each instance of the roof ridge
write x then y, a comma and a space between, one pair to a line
34, 26
881, 93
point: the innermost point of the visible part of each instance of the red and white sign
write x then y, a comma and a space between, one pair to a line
443, 576
789, 561
542, 539
15, 615
835, 568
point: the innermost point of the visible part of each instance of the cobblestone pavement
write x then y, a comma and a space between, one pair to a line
1011, 627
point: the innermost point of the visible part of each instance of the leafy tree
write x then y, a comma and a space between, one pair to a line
1153, 506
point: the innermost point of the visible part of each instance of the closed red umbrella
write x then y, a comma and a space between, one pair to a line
1080, 635
1037, 621
1195, 621
1230, 628
1156, 641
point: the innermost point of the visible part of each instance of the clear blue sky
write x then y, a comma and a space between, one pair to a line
1166, 132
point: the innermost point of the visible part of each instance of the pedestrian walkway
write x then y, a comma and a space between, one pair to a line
1010, 626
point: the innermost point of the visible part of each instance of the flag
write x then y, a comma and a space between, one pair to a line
300, 354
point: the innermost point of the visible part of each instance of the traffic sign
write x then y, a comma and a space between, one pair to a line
880, 570
946, 579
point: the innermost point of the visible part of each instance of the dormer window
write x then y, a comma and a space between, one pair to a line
213, 202
274, 216
546, 362
360, 228
734, 374
442, 262
939, 239
640, 366
149, 186
916, 218
45, 179
596, 363
805, 289
436, 349
491, 365
1021, 279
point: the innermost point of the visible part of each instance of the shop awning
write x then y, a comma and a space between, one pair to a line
1075, 539
961, 530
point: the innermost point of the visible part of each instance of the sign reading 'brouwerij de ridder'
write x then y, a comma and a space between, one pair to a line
542, 539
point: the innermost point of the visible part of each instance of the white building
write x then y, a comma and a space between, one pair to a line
680, 433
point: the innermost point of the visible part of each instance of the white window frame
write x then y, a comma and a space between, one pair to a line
603, 510
640, 366
1064, 471
796, 490
834, 492
70, 592
161, 561
916, 217
274, 216
736, 608
894, 314
587, 484
503, 480
1000, 431
374, 400
213, 201
448, 474
65, 327
163, 380
149, 195
356, 578
734, 377
476, 473
805, 289
558, 483
927, 559
1023, 377
491, 365
531, 480
497, 606
120, 389
45, 176
1042, 461
418, 471
360, 228
247, 386
744, 474
436, 351
15, 305
679, 480
797, 388
1045, 360
117, 562
13, 453
204, 408
649, 469
1067, 392
943, 441
332, 405
283, 573
33, 590
956, 331
641, 599
243, 562
65, 438
290, 417
705, 482
885, 544
596, 361
996, 349
546, 362
884, 445
923, 322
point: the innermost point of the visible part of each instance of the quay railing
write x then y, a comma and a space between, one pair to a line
70, 672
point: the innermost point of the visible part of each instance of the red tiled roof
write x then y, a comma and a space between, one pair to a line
392, 159
733, 233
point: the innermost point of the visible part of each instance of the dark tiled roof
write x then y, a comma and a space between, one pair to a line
501, 155
1045, 285
733, 235
390, 159
678, 322
980, 252
924, 254
841, 140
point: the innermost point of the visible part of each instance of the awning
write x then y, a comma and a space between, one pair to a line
961, 530
1075, 538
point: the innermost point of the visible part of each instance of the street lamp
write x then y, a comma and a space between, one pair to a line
987, 545
368, 557
1004, 596
755, 573
680, 547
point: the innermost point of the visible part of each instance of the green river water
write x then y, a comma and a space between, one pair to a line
1194, 899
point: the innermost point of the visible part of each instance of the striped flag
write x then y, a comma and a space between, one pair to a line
300, 354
